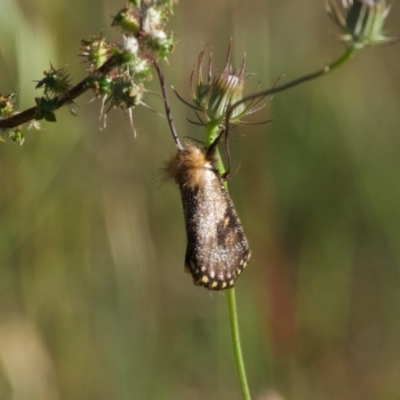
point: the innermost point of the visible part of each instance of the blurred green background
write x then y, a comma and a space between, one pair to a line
94, 303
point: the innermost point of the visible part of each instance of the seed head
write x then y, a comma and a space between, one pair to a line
361, 21
220, 91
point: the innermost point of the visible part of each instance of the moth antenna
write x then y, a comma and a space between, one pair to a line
167, 106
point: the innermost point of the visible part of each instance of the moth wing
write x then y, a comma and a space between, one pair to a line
217, 249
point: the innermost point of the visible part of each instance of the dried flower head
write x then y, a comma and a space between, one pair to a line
7, 104
147, 23
96, 51
7, 109
55, 82
128, 19
125, 93
143, 26
361, 21
214, 96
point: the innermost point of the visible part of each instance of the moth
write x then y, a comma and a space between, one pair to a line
217, 249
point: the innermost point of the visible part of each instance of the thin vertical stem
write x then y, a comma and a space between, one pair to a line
212, 133
237, 347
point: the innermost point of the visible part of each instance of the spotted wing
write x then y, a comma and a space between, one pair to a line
217, 249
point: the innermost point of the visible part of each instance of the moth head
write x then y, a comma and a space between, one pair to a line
189, 166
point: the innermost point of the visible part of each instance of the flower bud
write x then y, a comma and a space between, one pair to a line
215, 96
96, 50
361, 21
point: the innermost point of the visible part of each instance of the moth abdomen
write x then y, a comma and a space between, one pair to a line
217, 249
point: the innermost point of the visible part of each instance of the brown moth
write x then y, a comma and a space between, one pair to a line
217, 249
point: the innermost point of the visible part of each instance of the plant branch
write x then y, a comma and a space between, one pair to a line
60, 100
276, 89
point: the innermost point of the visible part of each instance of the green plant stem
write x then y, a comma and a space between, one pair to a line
237, 347
212, 133
346, 56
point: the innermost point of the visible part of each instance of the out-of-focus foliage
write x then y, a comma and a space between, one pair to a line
94, 303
